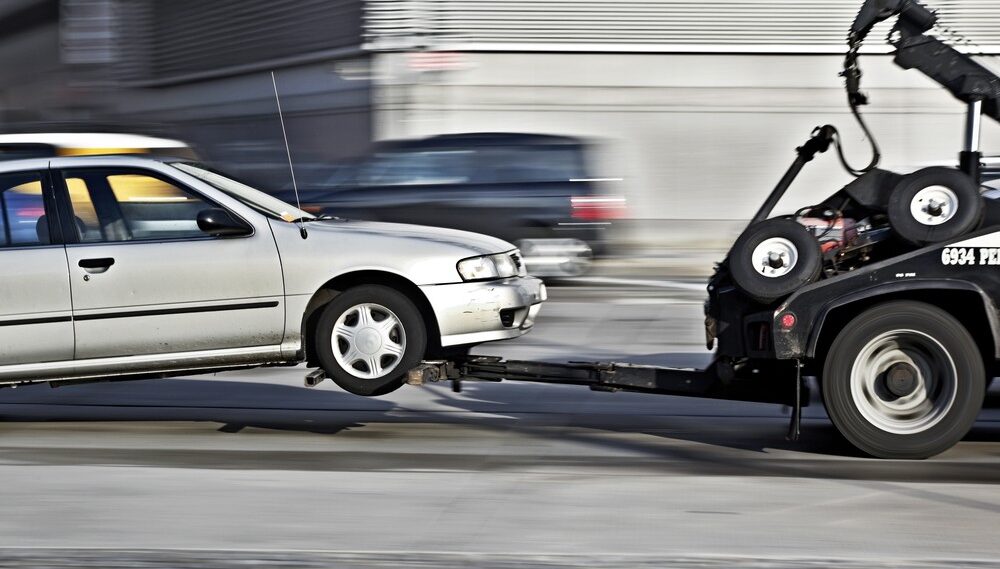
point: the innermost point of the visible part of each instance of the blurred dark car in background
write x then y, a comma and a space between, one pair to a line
533, 190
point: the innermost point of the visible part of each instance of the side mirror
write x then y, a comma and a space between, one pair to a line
220, 223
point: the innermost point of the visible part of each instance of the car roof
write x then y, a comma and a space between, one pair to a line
91, 160
91, 140
479, 139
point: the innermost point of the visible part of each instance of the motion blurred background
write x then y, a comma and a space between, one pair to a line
690, 111
666, 124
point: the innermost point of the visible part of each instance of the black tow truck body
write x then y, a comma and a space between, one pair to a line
961, 277
764, 347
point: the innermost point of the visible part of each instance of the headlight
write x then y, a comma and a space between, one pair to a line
499, 266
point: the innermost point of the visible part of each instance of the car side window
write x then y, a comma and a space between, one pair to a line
23, 221
428, 167
535, 163
128, 205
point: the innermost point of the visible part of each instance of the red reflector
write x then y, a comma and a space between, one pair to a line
30, 212
788, 321
594, 208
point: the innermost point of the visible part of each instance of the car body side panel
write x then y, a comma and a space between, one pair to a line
426, 257
35, 309
421, 255
295, 309
177, 296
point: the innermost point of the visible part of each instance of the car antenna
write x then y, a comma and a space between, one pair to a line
288, 152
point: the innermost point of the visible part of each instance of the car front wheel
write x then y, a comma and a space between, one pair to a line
368, 337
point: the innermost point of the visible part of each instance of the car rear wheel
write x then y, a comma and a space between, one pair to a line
903, 380
368, 337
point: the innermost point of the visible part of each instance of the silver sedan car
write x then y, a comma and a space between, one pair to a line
131, 267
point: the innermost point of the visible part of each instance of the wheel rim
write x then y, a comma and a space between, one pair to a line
904, 382
368, 341
934, 205
775, 257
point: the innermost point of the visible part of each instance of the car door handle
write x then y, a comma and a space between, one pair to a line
96, 265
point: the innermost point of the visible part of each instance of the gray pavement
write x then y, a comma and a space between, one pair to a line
251, 468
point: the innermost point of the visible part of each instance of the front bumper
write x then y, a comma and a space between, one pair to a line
470, 313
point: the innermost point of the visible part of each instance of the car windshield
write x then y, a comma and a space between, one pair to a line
252, 197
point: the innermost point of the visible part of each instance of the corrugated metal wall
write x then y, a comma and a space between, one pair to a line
783, 26
174, 41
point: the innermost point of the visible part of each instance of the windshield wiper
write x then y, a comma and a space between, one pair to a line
323, 217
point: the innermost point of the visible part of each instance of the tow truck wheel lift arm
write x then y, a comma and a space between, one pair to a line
767, 382
717, 382
773, 381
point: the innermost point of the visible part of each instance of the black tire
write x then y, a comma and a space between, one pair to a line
767, 288
964, 215
875, 419
383, 303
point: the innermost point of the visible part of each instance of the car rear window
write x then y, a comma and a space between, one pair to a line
22, 209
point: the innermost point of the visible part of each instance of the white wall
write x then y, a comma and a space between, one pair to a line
697, 137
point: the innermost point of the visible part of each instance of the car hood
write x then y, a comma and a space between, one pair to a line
422, 255
476, 243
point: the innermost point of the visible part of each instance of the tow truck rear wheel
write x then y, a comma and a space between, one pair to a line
935, 204
903, 380
774, 258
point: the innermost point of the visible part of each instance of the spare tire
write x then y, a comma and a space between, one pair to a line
774, 258
935, 204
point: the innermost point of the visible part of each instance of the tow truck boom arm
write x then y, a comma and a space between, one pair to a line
957, 72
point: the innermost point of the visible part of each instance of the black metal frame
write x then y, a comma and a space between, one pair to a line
763, 381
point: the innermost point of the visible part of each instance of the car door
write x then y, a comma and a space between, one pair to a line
35, 311
146, 280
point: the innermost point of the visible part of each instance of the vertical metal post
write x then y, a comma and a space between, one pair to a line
970, 157
973, 126
795, 424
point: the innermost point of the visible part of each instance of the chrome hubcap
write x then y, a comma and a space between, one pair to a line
775, 257
368, 341
934, 205
903, 382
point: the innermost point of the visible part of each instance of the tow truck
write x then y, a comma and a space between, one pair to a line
886, 291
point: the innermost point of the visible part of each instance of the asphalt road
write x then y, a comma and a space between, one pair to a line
252, 468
